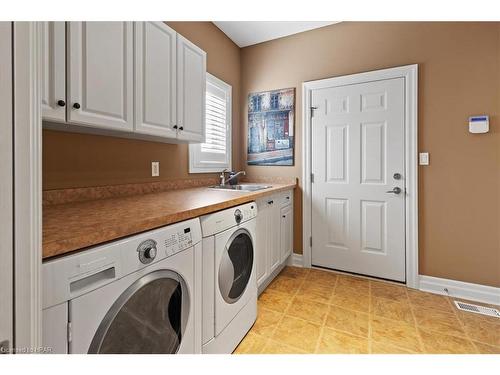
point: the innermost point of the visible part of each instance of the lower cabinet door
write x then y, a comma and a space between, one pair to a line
286, 232
261, 249
273, 227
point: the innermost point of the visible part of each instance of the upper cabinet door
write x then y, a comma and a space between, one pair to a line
54, 71
155, 79
100, 63
191, 87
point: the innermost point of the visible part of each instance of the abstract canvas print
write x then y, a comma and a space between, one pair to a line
270, 127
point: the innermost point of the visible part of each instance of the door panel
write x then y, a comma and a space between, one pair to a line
261, 244
100, 62
53, 71
155, 79
286, 232
357, 146
274, 240
191, 90
6, 174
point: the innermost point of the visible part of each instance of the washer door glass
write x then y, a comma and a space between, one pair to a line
149, 317
236, 266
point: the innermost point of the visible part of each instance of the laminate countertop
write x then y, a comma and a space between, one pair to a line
75, 226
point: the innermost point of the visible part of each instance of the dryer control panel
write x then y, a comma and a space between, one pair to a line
225, 219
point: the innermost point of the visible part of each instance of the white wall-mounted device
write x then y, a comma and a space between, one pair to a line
479, 124
423, 158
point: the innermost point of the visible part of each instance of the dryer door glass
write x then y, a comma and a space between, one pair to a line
149, 317
236, 266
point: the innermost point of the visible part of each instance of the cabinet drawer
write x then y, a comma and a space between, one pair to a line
286, 198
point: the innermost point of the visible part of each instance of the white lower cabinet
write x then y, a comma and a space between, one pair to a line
286, 232
274, 235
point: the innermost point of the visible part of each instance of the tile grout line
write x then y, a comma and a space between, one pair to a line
285, 311
322, 328
370, 317
419, 337
454, 309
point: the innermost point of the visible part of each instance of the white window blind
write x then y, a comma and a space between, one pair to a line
214, 154
216, 124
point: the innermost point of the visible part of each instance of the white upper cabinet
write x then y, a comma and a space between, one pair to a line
155, 79
191, 88
53, 85
130, 79
100, 74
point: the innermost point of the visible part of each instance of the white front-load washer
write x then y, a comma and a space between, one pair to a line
229, 282
141, 294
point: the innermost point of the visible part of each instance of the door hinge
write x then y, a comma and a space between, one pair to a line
312, 177
69, 332
312, 111
310, 241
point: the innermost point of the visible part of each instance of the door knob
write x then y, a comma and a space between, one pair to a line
61, 103
396, 190
76, 106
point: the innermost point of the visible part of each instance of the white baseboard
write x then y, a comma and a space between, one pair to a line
460, 289
295, 260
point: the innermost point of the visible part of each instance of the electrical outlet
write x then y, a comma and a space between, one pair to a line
155, 168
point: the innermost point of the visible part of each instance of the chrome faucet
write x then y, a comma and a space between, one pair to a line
224, 181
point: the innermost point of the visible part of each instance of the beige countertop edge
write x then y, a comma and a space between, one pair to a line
69, 244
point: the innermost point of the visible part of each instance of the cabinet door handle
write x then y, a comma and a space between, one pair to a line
61, 103
175, 126
270, 202
76, 105
181, 128
284, 216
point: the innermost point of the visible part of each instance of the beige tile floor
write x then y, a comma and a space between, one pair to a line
315, 311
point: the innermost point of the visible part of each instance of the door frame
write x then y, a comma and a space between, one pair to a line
6, 187
410, 75
27, 46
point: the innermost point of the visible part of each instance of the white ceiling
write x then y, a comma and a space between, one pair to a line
247, 33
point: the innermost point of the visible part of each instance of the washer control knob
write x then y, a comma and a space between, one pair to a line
150, 253
147, 251
238, 216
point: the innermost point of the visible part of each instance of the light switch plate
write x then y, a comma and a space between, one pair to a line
155, 168
423, 158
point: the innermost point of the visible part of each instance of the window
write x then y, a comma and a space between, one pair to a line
215, 154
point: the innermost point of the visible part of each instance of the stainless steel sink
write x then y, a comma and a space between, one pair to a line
241, 187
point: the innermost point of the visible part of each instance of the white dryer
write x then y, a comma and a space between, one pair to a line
141, 294
229, 300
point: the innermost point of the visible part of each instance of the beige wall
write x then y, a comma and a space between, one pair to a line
77, 160
459, 75
459, 191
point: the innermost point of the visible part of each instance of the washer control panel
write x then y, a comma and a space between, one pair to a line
147, 251
178, 241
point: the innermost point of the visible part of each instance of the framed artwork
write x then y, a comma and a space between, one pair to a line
271, 116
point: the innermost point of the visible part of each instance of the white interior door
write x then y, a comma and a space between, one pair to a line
6, 170
358, 193
100, 63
